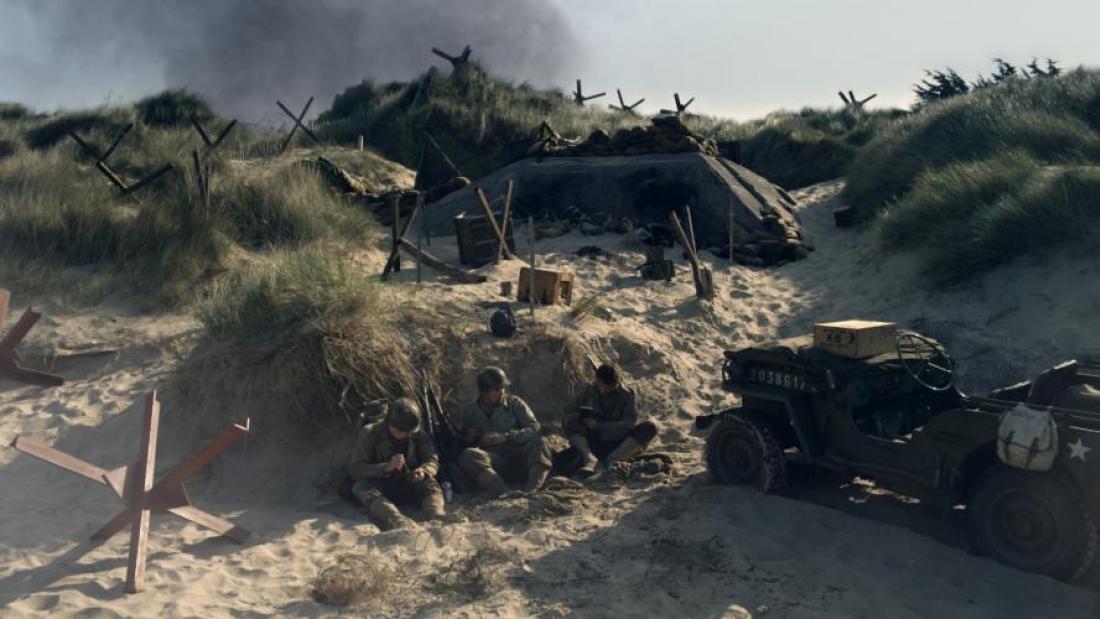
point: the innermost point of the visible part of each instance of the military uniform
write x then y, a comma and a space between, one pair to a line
617, 434
524, 455
378, 490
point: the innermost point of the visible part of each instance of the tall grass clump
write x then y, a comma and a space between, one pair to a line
982, 177
173, 108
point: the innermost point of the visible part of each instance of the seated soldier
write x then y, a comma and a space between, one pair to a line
602, 424
503, 438
393, 461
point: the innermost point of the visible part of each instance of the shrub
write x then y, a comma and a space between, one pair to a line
173, 108
54, 129
13, 111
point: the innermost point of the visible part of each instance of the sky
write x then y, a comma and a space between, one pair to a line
738, 58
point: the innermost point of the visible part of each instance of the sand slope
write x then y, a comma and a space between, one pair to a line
677, 547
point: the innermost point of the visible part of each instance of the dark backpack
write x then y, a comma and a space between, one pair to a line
503, 322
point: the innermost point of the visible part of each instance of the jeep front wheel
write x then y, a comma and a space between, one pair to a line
744, 452
1036, 522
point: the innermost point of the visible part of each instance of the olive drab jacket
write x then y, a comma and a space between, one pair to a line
374, 447
615, 413
512, 418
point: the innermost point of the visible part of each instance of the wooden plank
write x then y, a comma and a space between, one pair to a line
225, 132
113, 526
20, 330
154, 175
143, 481
32, 377
395, 253
212, 522
442, 154
114, 145
437, 264
60, 459
202, 132
507, 214
484, 202
226, 439
110, 174
691, 232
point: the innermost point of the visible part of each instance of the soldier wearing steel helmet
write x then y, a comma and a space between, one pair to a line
393, 462
504, 440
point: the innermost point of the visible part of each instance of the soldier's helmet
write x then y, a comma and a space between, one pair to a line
403, 415
491, 377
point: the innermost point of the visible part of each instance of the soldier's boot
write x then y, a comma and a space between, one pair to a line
588, 460
491, 483
433, 506
624, 451
536, 477
386, 515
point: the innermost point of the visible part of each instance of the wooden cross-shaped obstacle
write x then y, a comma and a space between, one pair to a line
623, 107
458, 62
852, 104
134, 484
10, 362
702, 276
297, 124
578, 94
105, 169
680, 107
211, 145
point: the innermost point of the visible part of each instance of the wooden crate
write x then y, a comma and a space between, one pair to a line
857, 339
477, 245
550, 286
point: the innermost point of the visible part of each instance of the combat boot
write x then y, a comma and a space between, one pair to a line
491, 483
433, 506
588, 461
624, 451
536, 477
386, 515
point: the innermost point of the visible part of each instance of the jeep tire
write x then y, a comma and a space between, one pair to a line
1036, 522
741, 451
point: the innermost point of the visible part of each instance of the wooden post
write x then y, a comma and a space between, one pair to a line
691, 231
395, 204
531, 279
731, 234
507, 215
142, 483
360, 141
419, 236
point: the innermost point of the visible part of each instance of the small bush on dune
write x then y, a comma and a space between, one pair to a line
350, 580
173, 108
55, 129
13, 111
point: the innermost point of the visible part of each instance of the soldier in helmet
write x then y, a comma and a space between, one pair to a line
602, 423
393, 461
503, 438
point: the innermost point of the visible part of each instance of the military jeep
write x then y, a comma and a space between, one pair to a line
898, 417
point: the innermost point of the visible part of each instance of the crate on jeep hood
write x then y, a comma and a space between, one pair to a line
856, 339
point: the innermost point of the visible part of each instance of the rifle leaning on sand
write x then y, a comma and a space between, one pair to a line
441, 430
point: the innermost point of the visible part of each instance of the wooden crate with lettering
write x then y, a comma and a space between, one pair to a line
477, 245
551, 287
858, 339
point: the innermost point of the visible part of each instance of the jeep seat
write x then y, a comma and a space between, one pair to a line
1079, 397
1051, 383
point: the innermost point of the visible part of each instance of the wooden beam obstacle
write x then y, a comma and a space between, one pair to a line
144, 496
10, 361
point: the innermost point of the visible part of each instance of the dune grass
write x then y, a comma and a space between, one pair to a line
981, 178
484, 123
56, 210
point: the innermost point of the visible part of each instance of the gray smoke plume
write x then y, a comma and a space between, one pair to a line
243, 54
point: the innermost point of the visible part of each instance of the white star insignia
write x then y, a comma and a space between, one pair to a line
1078, 449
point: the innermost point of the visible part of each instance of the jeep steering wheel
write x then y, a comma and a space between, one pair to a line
926, 361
